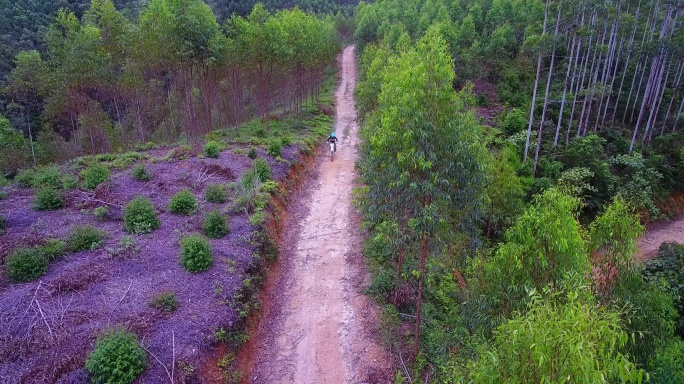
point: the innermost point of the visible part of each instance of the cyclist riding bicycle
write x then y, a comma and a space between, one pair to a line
333, 140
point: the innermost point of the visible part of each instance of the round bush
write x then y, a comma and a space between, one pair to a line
252, 153
47, 199
25, 178
262, 170
139, 216
212, 149
216, 193
84, 237
26, 264
196, 253
47, 177
101, 213
53, 249
139, 172
165, 301
117, 358
183, 203
95, 175
215, 225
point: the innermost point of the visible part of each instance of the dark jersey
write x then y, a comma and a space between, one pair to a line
332, 139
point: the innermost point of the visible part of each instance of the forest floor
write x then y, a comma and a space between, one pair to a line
659, 233
317, 326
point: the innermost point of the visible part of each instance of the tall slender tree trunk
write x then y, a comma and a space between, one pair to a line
565, 87
423, 258
626, 66
546, 93
672, 99
534, 92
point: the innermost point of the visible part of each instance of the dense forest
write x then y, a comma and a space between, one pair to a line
105, 83
23, 23
509, 245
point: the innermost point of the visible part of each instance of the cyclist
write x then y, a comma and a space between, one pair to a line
333, 140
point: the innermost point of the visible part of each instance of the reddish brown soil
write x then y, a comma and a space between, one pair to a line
47, 327
317, 325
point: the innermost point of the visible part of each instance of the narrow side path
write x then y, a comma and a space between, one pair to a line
659, 233
319, 326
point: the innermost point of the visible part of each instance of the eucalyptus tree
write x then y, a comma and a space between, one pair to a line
425, 161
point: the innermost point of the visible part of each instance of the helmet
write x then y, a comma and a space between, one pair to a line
332, 134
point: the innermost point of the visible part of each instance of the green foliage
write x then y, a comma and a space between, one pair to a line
196, 254
514, 121
648, 313
95, 175
212, 149
101, 213
127, 245
384, 282
48, 199
183, 203
505, 190
47, 177
636, 181
24, 178
667, 365
216, 193
274, 148
252, 153
165, 301
139, 216
117, 358
269, 187
668, 266
84, 237
262, 170
3, 223
257, 219
215, 224
14, 149
139, 172
69, 181
3, 195
536, 347
248, 189
25, 264
53, 249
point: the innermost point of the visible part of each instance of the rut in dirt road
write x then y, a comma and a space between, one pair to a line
317, 328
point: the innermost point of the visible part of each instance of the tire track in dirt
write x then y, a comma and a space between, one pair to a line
317, 325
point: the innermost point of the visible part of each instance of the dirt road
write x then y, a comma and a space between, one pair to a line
318, 324
659, 233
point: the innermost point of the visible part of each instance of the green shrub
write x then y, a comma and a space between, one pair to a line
127, 245
252, 153
668, 265
286, 140
270, 187
212, 149
216, 193
25, 264
53, 249
183, 203
117, 358
139, 216
47, 177
215, 225
69, 181
248, 189
139, 172
95, 175
24, 178
667, 365
274, 148
2, 223
262, 170
257, 219
196, 253
3, 181
101, 213
165, 301
47, 199
3, 195
84, 237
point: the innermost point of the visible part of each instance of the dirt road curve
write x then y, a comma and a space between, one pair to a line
317, 329
660, 233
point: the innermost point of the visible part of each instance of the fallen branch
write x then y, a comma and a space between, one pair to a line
403, 366
122, 297
169, 375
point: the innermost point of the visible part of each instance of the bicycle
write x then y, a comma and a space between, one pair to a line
333, 149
